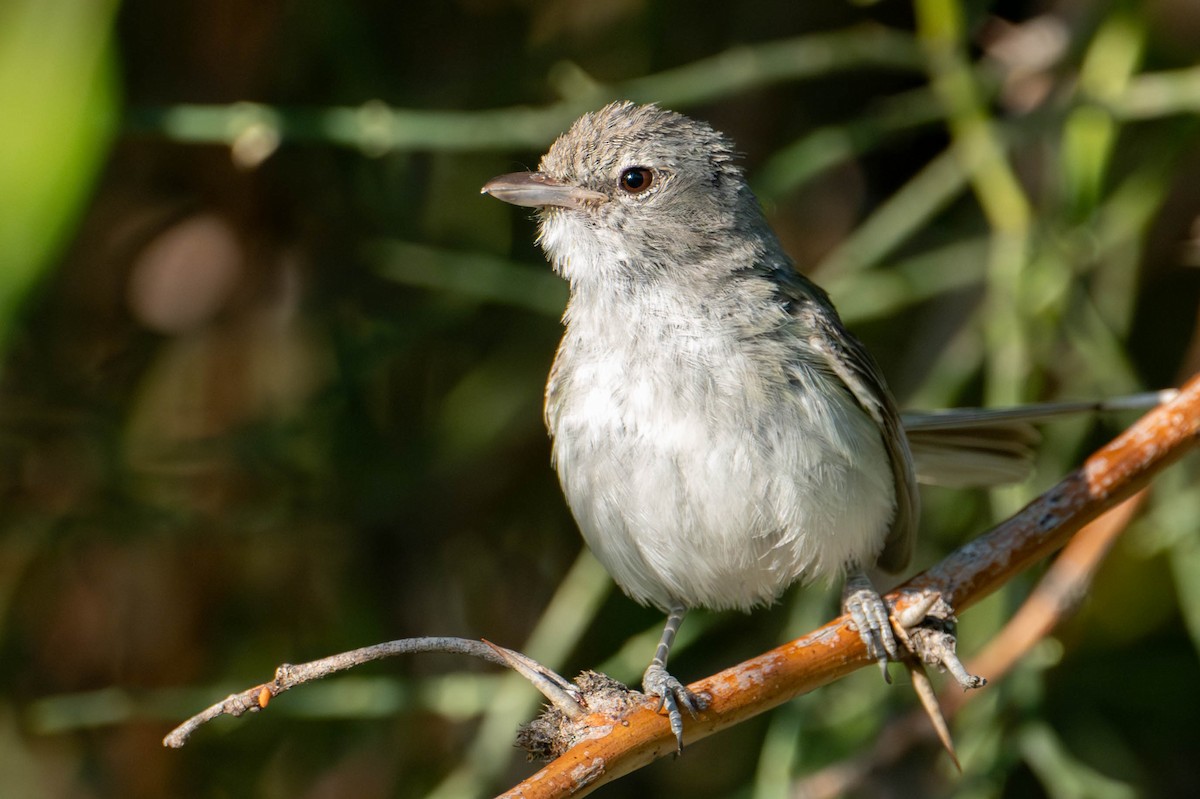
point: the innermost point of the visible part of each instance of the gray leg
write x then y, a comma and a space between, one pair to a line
657, 681
870, 614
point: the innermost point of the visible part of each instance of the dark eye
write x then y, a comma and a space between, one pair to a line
636, 180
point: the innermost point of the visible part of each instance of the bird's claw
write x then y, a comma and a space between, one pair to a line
672, 695
870, 615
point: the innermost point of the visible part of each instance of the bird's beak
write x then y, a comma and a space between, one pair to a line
537, 189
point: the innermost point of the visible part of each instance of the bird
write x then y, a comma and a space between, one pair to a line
718, 433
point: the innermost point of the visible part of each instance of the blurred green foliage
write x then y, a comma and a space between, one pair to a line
58, 96
276, 392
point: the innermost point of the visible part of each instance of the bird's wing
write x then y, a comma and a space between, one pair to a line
848, 359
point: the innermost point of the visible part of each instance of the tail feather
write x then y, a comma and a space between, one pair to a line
965, 447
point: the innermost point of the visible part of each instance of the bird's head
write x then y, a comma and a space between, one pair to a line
636, 191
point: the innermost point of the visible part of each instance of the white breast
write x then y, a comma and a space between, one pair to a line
701, 472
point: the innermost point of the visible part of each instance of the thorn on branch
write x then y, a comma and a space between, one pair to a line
925, 624
929, 701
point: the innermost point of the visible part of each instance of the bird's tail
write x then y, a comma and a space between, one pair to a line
989, 446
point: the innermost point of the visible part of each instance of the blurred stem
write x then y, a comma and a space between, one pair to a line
784, 743
485, 277
900, 216
746, 67
1008, 364
1184, 555
941, 32
797, 163
954, 365
1061, 774
933, 272
1101, 314
1090, 131
1133, 206
376, 128
1124, 223
1159, 94
1108, 363
778, 756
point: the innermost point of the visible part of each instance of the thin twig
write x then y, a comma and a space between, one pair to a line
288, 676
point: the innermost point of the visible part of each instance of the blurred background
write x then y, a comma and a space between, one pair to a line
272, 372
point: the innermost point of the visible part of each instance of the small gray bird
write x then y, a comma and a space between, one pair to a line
718, 433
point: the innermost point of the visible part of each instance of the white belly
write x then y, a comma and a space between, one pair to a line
708, 489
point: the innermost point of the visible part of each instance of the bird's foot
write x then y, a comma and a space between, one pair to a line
870, 615
672, 694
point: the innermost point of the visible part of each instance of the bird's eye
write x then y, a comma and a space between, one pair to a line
636, 180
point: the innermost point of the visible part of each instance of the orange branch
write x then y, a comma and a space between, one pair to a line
1056, 594
1114, 473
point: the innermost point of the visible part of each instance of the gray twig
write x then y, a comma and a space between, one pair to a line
289, 676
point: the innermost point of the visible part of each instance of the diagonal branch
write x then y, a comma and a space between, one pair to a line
966, 576
1054, 598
